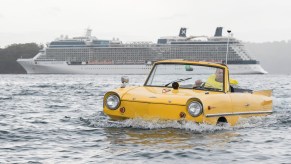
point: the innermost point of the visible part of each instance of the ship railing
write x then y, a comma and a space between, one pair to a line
242, 62
240, 51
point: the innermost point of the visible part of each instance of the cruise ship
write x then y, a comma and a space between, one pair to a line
89, 55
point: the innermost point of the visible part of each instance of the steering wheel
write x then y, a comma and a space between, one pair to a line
200, 86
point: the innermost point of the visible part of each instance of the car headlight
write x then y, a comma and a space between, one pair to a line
112, 101
195, 108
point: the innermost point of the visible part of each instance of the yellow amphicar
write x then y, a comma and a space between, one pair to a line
185, 90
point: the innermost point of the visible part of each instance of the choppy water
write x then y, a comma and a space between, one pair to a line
59, 119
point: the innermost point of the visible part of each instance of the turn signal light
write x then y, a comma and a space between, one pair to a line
182, 115
122, 110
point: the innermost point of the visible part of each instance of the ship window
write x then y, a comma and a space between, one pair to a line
162, 41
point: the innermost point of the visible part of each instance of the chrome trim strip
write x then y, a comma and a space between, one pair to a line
162, 103
239, 113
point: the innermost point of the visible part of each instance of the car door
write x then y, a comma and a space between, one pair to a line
240, 103
217, 104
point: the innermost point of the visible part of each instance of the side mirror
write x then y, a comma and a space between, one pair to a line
188, 68
124, 80
175, 85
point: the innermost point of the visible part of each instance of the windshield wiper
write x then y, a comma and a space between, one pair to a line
178, 80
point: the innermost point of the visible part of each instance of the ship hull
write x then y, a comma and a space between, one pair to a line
62, 67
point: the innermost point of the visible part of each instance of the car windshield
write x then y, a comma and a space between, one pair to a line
188, 76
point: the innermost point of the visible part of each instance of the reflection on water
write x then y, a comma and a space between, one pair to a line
168, 139
145, 137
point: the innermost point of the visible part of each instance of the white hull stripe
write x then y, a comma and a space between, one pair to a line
61, 67
238, 113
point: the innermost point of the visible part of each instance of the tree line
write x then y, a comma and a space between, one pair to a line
11, 53
275, 56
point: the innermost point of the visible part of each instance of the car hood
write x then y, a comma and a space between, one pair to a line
161, 95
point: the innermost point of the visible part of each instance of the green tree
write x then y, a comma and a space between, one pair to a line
11, 53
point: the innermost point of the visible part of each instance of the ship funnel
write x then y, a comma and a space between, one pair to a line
182, 32
218, 31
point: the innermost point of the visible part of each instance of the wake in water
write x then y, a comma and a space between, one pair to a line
100, 120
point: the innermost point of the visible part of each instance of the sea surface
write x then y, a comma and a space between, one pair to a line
59, 119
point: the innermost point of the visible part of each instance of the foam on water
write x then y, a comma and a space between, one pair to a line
100, 120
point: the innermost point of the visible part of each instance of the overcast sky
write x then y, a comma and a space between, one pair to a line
42, 21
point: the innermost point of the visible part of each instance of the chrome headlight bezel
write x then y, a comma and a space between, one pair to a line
195, 108
115, 101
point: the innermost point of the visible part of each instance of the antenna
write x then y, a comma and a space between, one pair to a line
88, 32
227, 45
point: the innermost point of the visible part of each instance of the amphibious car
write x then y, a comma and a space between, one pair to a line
187, 90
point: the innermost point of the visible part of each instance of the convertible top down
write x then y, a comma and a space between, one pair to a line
186, 90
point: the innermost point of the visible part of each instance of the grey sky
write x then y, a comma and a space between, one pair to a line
41, 21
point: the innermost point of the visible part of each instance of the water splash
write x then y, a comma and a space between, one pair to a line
102, 121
